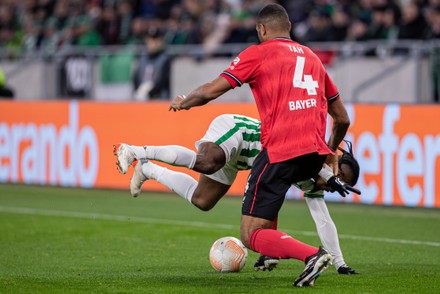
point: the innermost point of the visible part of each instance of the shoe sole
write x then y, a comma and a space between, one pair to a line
116, 149
321, 265
138, 192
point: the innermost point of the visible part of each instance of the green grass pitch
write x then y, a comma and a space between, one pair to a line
65, 240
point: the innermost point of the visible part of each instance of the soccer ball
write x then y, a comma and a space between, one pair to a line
228, 254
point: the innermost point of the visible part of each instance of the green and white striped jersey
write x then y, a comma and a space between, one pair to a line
307, 187
242, 138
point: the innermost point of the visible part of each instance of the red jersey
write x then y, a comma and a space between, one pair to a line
291, 90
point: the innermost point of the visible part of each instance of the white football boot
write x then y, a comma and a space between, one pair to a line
138, 178
124, 155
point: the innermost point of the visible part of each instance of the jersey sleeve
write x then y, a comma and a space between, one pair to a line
331, 92
243, 67
307, 187
317, 194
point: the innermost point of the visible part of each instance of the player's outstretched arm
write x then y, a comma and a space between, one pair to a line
201, 95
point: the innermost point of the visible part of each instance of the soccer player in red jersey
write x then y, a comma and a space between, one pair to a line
293, 94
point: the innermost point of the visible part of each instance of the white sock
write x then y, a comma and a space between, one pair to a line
181, 183
326, 229
139, 151
171, 154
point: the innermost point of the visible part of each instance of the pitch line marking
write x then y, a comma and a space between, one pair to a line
146, 220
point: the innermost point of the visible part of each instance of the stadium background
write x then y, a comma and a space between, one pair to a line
74, 94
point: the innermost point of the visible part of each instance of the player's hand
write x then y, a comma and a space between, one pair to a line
341, 187
176, 104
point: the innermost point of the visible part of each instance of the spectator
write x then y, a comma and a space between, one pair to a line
152, 75
242, 26
376, 28
362, 10
51, 40
173, 24
413, 25
340, 22
9, 23
108, 26
60, 16
30, 36
319, 27
163, 8
390, 20
298, 10
125, 18
137, 32
358, 31
85, 33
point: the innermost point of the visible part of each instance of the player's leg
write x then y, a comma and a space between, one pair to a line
271, 242
181, 183
326, 228
172, 154
209, 159
266, 262
272, 181
208, 193
203, 194
265, 191
328, 233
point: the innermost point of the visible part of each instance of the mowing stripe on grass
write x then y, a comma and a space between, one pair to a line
111, 217
124, 218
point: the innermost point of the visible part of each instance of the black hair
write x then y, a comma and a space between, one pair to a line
348, 159
275, 15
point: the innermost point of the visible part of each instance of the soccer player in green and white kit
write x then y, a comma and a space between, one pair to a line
231, 144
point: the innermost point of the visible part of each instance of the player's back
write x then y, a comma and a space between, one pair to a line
290, 91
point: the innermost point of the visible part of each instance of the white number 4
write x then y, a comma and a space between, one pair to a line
308, 83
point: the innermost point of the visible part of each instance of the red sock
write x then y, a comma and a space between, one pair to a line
278, 244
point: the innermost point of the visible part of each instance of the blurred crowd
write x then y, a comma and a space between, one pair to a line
27, 25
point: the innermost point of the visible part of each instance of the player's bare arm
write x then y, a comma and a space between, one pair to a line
201, 95
341, 122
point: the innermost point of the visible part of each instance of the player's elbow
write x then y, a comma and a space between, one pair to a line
214, 89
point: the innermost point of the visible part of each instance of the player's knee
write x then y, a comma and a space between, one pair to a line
203, 206
245, 239
201, 203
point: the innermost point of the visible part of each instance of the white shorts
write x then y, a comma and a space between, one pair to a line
217, 131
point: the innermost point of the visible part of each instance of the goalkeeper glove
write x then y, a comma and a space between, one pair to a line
341, 187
